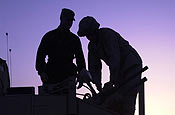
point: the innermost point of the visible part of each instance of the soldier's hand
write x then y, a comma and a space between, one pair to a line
83, 77
108, 85
44, 77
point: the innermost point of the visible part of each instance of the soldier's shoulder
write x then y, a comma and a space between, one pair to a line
108, 32
74, 36
2, 61
49, 35
51, 32
105, 30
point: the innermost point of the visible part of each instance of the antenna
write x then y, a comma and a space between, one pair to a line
9, 62
7, 48
10, 50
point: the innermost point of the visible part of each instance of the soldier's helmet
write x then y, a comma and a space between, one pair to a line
87, 26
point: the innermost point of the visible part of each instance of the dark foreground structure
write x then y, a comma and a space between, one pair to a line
47, 105
58, 100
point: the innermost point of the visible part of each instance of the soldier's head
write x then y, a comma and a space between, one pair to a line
87, 27
66, 18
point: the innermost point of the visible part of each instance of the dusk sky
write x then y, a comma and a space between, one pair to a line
148, 25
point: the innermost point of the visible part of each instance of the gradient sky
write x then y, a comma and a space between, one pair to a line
149, 26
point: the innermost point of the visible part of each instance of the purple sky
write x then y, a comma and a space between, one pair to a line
148, 25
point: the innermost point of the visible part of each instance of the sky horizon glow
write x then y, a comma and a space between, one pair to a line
148, 26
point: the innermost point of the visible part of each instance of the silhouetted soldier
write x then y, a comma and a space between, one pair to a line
61, 46
4, 77
123, 60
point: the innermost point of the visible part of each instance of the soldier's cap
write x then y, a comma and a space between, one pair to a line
67, 13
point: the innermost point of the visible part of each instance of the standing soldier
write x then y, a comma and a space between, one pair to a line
61, 46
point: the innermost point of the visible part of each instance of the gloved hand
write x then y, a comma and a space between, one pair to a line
44, 77
83, 77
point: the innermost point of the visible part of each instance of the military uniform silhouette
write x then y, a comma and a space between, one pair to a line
62, 47
123, 60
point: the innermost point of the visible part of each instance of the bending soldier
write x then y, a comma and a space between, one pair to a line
123, 60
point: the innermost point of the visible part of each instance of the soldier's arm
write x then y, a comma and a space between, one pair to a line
41, 55
95, 66
80, 61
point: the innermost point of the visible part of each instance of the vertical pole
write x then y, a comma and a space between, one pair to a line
8, 57
142, 100
10, 66
7, 48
